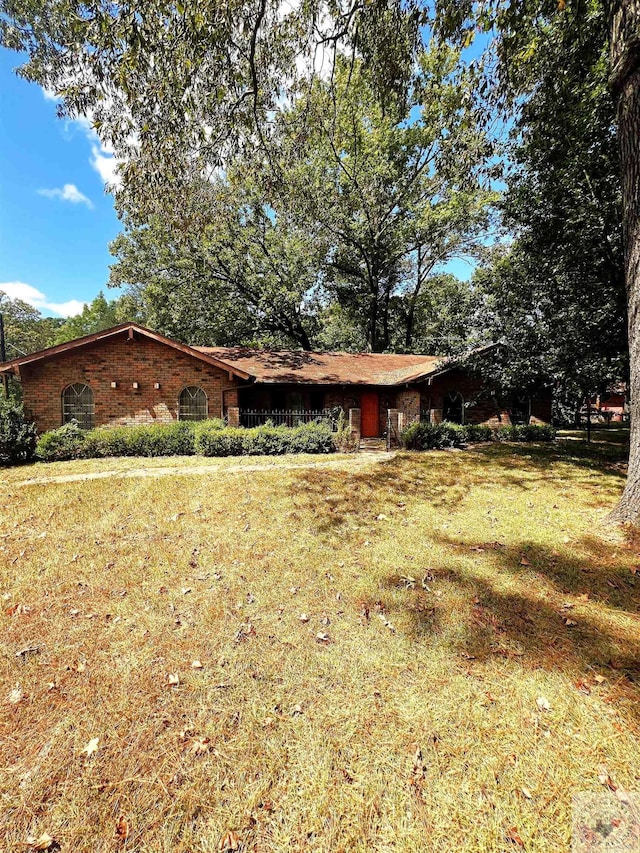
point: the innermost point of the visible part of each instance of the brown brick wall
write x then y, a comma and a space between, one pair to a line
123, 361
484, 408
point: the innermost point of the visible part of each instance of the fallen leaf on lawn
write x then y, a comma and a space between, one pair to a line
122, 828
303, 617
524, 561
543, 703
185, 590
324, 619
583, 687
381, 517
200, 745
598, 678
229, 841
513, 835
91, 747
173, 679
296, 710
294, 589
419, 769
321, 637
605, 779
387, 623
570, 623
16, 695
196, 665
18, 609
45, 842
244, 631
526, 793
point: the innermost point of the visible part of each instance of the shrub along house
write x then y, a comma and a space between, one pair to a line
130, 375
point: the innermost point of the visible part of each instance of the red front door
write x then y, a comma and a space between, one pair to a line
369, 417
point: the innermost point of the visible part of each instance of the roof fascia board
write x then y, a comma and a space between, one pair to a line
14, 365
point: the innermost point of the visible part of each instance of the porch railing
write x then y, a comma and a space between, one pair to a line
287, 417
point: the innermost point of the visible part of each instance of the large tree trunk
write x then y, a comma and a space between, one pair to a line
625, 85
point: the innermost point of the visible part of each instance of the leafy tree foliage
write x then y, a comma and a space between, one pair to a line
557, 296
96, 316
179, 88
371, 197
26, 330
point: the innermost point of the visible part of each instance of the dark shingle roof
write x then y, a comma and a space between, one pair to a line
326, 368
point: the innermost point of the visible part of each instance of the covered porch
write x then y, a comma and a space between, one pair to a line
292, 404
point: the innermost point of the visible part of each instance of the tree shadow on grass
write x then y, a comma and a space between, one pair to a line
338, 498
559, 611
444, 479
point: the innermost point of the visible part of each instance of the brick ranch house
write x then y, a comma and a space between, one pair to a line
130, 375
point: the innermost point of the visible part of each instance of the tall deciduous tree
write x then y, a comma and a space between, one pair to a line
371, 195
557, 296
392, 188
527, 29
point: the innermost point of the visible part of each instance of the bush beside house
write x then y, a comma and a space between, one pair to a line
17, 434
206, 438
428, 436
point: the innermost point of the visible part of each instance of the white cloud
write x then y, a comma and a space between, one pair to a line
102, 158
69, 192
31, 295
105, 165
50, 95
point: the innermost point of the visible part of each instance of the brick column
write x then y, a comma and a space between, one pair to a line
354, 425
394, 419
233, 416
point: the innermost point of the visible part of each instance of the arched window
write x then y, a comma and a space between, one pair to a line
453, 408
77, 405
520, 409
192, 405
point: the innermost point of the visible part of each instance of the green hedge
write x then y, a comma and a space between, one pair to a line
266, 441
17, 434
426, 436
478, 432
526, 432
207, 438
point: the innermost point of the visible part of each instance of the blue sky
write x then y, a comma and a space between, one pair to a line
56, 220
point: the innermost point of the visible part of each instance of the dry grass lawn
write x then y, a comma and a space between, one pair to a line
434, 652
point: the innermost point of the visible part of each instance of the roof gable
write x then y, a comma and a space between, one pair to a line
131, 329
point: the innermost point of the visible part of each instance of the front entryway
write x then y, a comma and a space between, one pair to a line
369, 415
